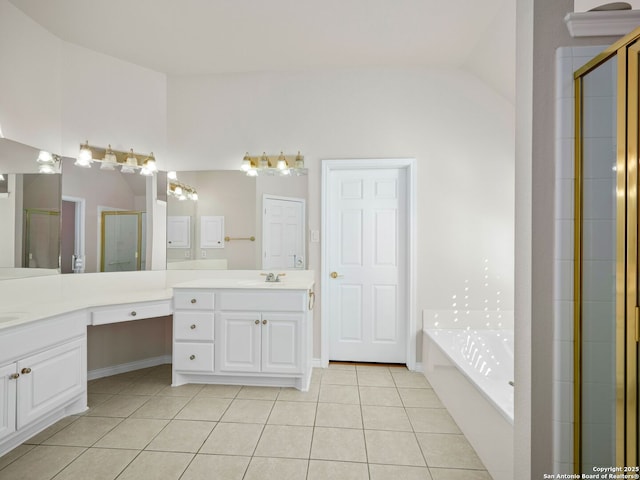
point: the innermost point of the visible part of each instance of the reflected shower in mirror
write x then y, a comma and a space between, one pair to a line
223, 229
107, 219
29, 214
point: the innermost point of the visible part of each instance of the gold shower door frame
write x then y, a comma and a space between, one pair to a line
627, 51
104, 233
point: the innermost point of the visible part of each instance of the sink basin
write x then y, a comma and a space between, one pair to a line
10, 316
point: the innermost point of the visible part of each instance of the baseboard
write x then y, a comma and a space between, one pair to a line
419, 367
128, 367
316, 363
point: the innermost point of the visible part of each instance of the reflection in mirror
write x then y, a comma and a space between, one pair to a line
29, 214
230, 210
105, 225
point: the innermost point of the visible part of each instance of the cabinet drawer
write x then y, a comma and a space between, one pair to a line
193, 300
129, 312
193, 326
193, 357
270, 301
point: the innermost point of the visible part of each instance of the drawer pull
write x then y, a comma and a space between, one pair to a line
193, 300
133, 314
264, 322
192, 357
193, 327
13, 376
24, 371
257, 322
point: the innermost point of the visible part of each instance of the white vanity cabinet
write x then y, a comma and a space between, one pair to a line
258, 336
43, 375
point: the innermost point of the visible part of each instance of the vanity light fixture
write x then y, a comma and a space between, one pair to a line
171, 175
283, 165
47, 162
110, 161
85, 156
130, 163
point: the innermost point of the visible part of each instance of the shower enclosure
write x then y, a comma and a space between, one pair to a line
606, 258
123, 241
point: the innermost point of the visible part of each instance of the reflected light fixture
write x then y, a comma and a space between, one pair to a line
172, 175
85, 156
47, 162
182, 191
284, 165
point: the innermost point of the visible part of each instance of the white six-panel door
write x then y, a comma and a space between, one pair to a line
283, 237
367, 228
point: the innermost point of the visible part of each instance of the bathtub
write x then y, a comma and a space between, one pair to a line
470, 371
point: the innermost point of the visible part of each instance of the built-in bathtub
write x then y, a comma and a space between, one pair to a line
472, 373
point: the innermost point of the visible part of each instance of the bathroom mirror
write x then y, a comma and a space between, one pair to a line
108, 219
231, 206
29, 214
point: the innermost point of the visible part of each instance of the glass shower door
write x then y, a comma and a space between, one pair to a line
121, 241
41, 239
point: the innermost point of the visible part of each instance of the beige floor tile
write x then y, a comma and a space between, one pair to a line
380, 396
95, 399
295, 395
393, 448
157, 466
189, 390
98, 464
119, 406
182, 436
145, 386
293, 413
248, 411
133, 433
339, 366
258, 393
316, 375
225, 468
233, 439
52, 430
419, 397
40, 463
325, 470
457, 474
338, 444
448, 451
385, 418
339, 394
339, 415
285, 442
339, 377
410, 380
276, 469
208, 409
110, 385
14, 454
432, 420
375, 379
84, 432
372, 369
220, 391
397, 472
161, 407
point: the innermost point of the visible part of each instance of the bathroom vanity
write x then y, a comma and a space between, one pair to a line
250, 333
228, 328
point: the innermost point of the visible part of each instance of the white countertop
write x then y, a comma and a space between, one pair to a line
27, 300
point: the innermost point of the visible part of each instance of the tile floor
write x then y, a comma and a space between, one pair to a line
356, 422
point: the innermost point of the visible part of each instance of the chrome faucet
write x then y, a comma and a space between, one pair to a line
274, 277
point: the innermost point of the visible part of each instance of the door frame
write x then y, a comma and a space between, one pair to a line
409, 164
79, 227
268, 196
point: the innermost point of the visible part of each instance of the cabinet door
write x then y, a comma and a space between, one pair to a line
282, 342
7, 400
178, 231
238, 342
50, 379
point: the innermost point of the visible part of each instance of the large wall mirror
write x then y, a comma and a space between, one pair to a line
29, 214
238, 222
82, 220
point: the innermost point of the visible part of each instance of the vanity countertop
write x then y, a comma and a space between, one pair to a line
57, 295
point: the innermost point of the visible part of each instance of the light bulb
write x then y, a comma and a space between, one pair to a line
172, 175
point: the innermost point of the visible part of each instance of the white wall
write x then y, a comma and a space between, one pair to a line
460, 131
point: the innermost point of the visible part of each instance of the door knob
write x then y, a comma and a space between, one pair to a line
335, 275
